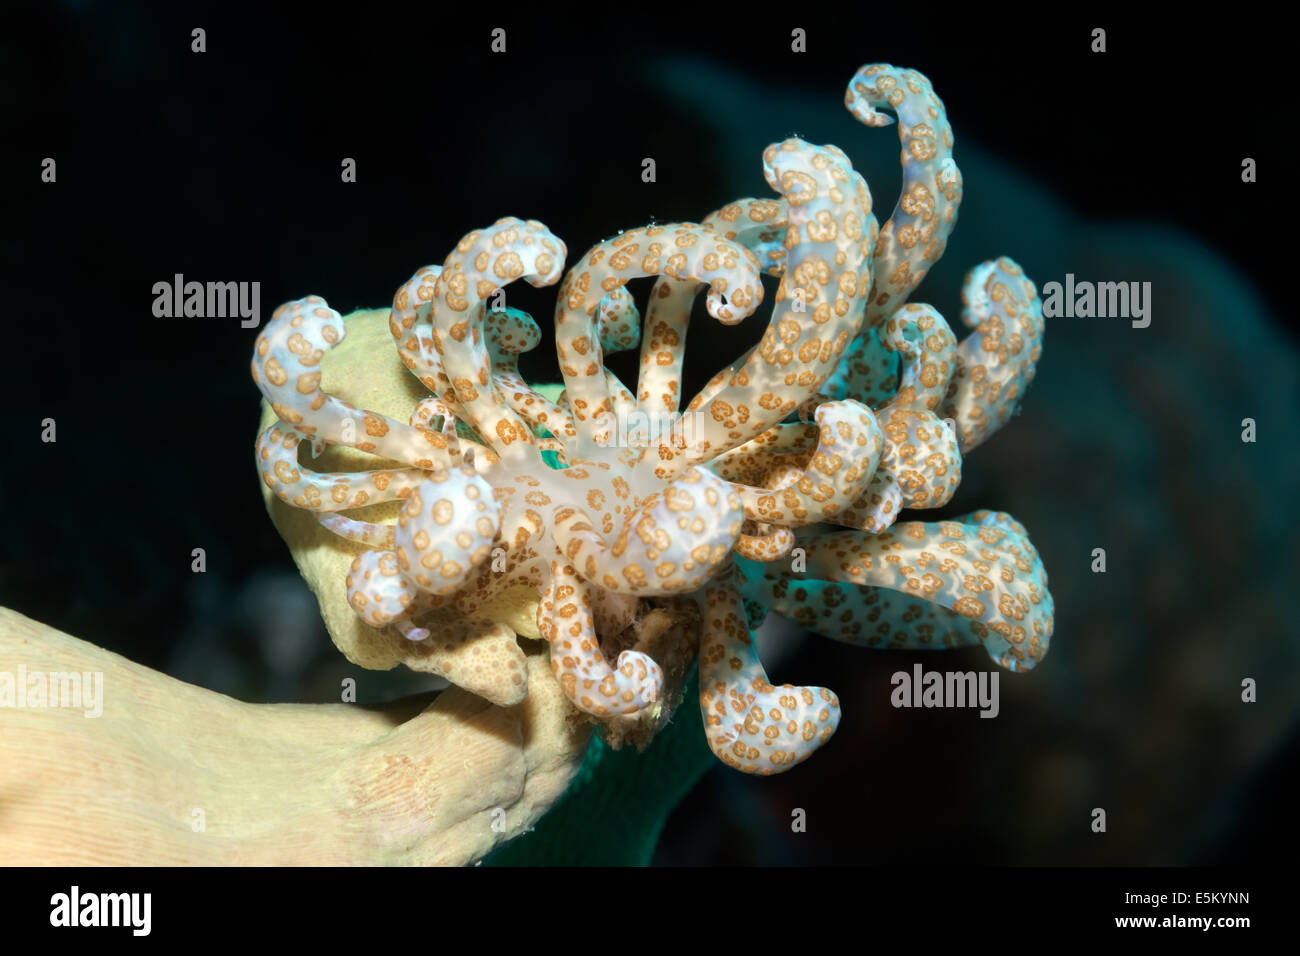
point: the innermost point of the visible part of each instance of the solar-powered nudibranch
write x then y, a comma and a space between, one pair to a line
855, 406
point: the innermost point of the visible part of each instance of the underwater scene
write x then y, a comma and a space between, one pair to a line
520, 440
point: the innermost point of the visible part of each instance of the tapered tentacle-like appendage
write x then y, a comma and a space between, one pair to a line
760, 225
996, 362
764, 542
663, 345
757, 224
680, 251
672, 541
641, 524
921, 465
564, 618
919, 334
444, 531
915, 236
877, 507
277, 460
750, 724
411, 329
920, 459
976, 580
620, 321
483, 262
868, 372
381, 594
849, 444
286, 367
830, 236
510, 333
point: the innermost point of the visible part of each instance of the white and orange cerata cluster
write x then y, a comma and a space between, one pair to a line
780, 483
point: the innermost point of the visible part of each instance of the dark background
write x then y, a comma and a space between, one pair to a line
225, 166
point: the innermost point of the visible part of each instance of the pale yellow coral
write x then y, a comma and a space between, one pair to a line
173, 774
486, 659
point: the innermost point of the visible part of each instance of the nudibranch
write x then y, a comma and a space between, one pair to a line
780, 483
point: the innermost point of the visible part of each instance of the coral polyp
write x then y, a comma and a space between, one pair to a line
779, 483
